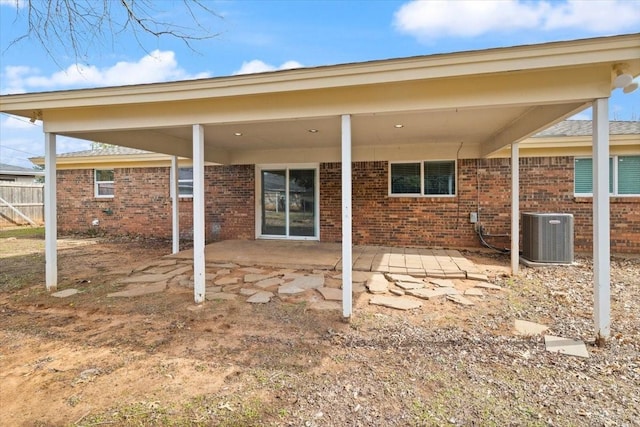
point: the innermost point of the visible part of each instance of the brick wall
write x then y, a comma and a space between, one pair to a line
546, 185
142, 205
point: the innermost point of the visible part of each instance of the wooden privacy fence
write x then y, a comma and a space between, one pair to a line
21, 204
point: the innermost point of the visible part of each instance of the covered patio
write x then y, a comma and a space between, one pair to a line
465, 105
418, 262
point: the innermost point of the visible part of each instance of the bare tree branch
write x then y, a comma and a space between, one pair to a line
75, 27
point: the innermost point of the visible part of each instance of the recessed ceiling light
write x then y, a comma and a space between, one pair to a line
313, 130
398, 126
237, 133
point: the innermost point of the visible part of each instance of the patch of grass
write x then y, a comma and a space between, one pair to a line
23, 233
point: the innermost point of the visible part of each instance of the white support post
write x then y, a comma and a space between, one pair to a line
346, 217
198, 215
515, 209
50, 213
601, 238
175, 197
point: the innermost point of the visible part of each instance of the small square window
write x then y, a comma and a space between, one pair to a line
104, 183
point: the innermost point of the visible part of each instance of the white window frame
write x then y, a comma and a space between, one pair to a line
96, 184
614, 173
421, 194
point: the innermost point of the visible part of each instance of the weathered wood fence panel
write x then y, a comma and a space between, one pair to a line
26, 198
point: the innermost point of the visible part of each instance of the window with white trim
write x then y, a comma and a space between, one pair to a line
624, 176
428, 178
104, 182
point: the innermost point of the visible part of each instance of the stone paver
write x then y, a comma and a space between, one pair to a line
314, 281
213, 296
226, 281
377, 284
65, 293
443, 283
268, 283
410, 285
261, 297
325, 305
139, 289
331, 294
477, 276
210, 289
290, 289
256, 277
222, 265
566, 346
432, 293
403, 278
487, 285
398, 292
524, 327
182, 269
252, 270
459, 299
399, 303
145, 278
247, 292
475, 292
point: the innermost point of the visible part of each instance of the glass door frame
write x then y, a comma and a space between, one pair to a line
258, 197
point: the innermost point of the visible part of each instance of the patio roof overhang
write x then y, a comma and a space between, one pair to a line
484, 100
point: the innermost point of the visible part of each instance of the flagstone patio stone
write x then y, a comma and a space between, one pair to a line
399, 303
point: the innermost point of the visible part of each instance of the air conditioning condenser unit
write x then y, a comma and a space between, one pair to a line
547, 237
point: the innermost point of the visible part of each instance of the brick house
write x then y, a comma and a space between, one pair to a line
396, 150
552, 171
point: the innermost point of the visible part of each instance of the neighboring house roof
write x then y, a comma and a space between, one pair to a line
7, 169
583, 128
113, 150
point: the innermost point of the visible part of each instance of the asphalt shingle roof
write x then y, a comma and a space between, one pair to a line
4, 167
583, 128
112, 150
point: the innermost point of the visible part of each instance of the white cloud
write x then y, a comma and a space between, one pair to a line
430, 20
14, 3
158, 66
258, 66
12, 122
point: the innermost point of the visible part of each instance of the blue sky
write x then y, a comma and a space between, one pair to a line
265, 35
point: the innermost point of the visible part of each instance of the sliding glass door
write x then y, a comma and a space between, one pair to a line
288, 207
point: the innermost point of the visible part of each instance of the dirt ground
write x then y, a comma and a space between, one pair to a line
159, 359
